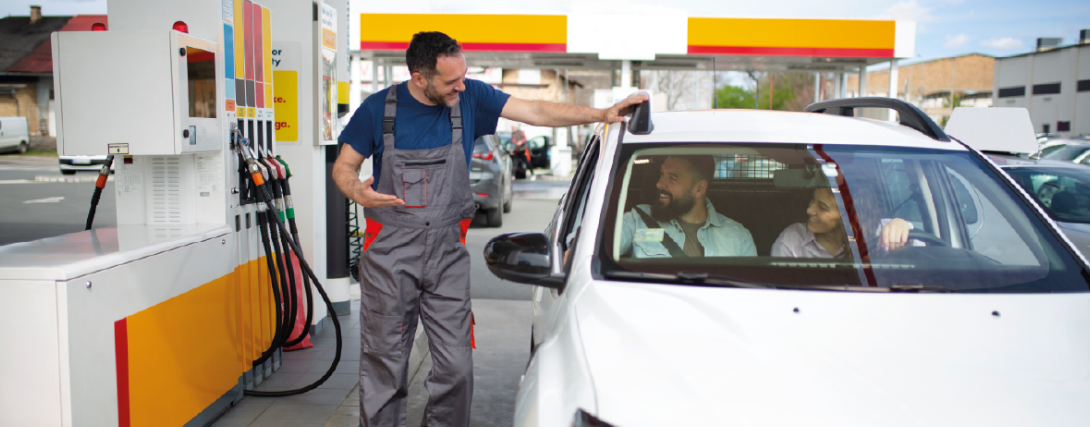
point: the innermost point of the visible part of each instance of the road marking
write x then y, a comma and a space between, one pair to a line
18, 181
46, 200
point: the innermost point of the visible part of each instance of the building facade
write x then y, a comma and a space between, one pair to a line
936, 86
1052, 83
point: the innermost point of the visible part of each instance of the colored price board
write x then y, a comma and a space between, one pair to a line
286, 103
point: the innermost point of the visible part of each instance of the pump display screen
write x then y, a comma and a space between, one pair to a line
201, 68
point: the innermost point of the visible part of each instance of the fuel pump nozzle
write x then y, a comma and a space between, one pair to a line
103, 175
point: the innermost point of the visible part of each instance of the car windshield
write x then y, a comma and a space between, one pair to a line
813, 217
1064, 152
1064, 192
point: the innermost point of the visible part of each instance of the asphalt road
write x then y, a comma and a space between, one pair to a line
32, 210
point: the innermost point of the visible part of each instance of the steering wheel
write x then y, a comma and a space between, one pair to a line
923, 236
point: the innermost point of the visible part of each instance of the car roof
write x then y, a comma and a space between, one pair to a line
781, 127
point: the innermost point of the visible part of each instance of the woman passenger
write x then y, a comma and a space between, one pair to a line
823, 236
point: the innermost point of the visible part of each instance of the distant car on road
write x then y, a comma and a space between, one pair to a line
14, 136
490, 179
71, 164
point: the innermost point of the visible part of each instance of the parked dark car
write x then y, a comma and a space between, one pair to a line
490, 179
539, 152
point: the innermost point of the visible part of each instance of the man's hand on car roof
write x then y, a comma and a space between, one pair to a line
617, 112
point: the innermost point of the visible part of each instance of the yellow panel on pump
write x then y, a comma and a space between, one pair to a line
266, 42
183, 354
286, 101
240, 44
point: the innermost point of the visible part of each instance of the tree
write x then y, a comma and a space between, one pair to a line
734, 97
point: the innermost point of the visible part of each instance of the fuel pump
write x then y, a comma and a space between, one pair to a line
194, 290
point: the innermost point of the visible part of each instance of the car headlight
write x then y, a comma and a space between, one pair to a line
583, 419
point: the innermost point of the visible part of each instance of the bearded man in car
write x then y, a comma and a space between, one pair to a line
682, 221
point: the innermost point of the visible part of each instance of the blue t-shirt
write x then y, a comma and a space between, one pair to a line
422, 126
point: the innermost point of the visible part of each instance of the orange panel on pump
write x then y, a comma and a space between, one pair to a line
179, 362
792, 37
243, 271
493, 33
262, 304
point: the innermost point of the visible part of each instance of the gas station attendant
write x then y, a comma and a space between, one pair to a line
420, 134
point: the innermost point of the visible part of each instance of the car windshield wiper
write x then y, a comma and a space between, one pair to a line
919, 287
688, 277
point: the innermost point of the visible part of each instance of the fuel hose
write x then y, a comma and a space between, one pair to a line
263, 225
265, 198
290, 211
103, 175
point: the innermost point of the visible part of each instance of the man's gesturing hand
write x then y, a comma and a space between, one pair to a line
617, 112
370, 198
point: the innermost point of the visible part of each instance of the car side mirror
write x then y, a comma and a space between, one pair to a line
640, 122
522, 257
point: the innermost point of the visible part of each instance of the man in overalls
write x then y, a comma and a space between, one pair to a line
419, 206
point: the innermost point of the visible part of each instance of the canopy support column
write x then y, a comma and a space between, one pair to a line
892, 86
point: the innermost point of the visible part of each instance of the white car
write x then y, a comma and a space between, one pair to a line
982, 318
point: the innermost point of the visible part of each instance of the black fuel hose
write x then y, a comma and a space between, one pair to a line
290, 210
292, 310
265, 198
282, 255
103, 175
274, 234
263, 225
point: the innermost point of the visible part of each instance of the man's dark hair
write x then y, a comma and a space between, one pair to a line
701, 166
425, 48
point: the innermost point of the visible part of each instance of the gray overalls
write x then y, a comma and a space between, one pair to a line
415, 263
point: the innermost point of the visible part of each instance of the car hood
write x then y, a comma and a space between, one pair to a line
688, 355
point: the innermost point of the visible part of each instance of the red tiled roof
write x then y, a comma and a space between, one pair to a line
41, 59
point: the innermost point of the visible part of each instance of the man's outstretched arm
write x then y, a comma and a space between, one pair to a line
552, 114
346, 175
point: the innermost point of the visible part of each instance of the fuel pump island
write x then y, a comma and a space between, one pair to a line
210, 108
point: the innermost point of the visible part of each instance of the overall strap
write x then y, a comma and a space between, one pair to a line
456, 124
390, 112
388, 117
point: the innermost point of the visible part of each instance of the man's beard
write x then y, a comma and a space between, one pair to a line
674, 208
436, 97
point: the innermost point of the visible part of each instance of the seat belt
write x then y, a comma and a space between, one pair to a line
667, 241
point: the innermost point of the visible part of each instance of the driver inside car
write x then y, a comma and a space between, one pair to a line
823, 235
682, 222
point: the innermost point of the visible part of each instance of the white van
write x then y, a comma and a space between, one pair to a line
14, 134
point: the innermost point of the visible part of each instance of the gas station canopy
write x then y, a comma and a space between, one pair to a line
650, 42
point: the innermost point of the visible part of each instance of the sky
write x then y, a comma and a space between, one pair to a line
944, 27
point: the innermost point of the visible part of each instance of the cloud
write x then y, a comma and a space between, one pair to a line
1002, 43
954, 42
909, 10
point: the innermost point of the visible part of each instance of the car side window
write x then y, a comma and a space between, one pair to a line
536, 142
577, 195
903, 196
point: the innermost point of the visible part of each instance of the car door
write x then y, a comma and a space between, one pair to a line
539, 151
564, 232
